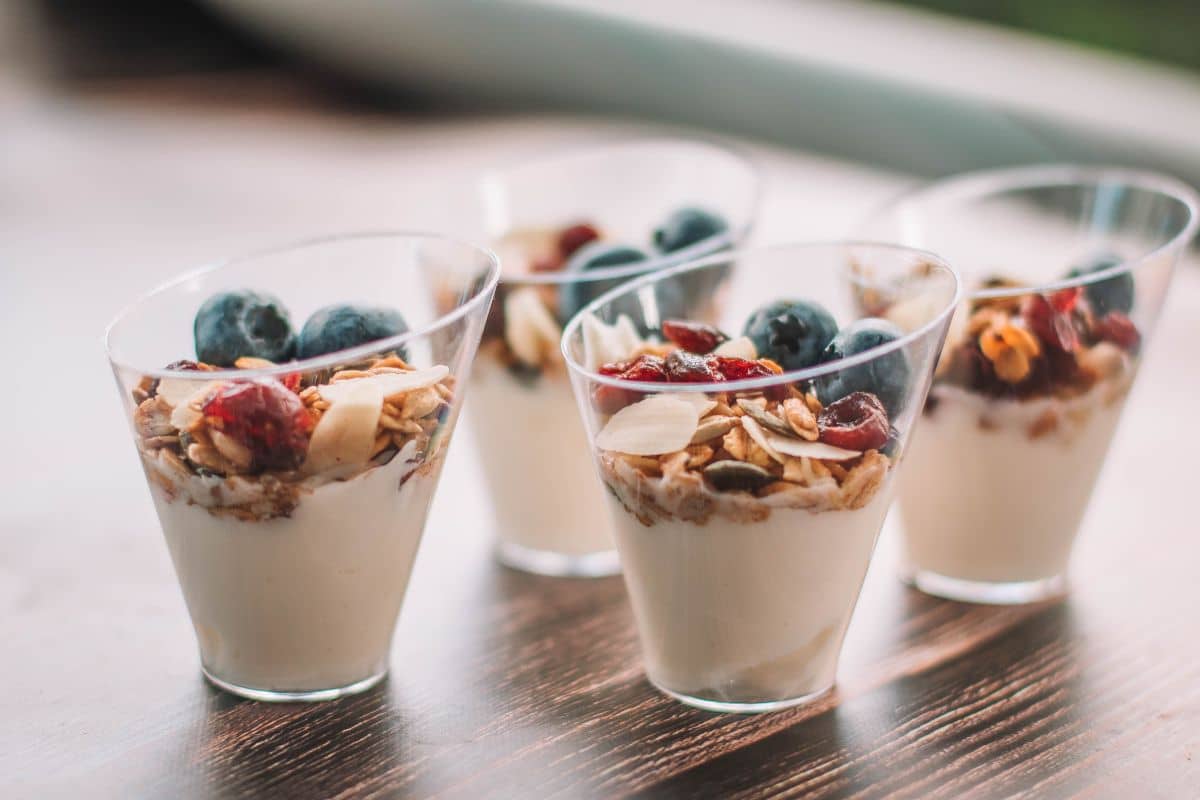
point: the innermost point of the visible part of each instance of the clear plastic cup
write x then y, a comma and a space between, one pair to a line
549, 515
293, 496
744, 531
1037, 366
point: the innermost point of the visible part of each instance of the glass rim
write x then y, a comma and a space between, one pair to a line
792, 376
980, 183
326, 359
495, 177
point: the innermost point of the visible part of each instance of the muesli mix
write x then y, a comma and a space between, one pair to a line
823, 445
252, 448
1057, 346
526, 320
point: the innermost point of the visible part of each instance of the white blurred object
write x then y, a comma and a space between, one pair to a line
910, 89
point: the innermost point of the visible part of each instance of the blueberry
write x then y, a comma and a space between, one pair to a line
600, 255
1113, 294
340, 327
792, 333
886, 377
686, 227
230, 325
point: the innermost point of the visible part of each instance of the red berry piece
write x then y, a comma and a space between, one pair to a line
856, 422
695, 337
685, 367
1119, 329
264, 416
291, 381
646, 367
1048, 323
611, 399
574, 237
1065, 299
737, 369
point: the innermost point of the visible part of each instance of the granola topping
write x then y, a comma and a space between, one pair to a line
692, 456
252, 449
1045, 353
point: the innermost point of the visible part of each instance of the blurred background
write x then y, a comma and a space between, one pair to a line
924, 86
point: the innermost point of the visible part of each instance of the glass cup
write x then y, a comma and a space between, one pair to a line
293, 495
1066, 269
549, 516
746, 509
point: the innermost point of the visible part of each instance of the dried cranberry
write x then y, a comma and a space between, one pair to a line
1065, 299
695, 337
1048, 323
264, 416
574, 237
645, 367
291, 381
685, 367
611, 399
856, 422
736, 369
1119, 329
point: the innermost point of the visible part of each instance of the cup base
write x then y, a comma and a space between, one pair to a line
1000, 593
315, 696
560, 565
725, 707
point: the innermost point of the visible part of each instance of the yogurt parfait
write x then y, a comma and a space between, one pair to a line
748, 460
567, 229
1067, 269
292, 467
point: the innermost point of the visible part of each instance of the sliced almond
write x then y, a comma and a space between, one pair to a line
345, 434
529, 328
912, 312
741, 347
702, 402
605, 344
626, 335
712, 427
659, 424
388, 383
801, 449
759, 435
176, 391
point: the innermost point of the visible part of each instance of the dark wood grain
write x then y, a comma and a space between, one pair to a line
503, 684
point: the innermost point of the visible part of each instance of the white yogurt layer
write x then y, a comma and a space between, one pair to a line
538, 462
306, 602
747, 611
983, 500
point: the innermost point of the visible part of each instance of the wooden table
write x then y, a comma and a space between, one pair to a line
504, 685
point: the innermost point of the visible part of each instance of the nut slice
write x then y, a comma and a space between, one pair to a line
605, 344
800, 449
760, 438
741, 347
345, 434
702, 402
529, 328
659, 424
388, 383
